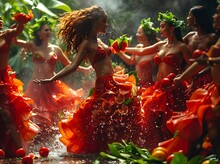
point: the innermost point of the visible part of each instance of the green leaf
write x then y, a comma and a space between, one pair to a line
127, 101
196, 159
111, 41
59, 5
96, 162
113, 150
44, 9
124, 155
179, 158
108, 156
29, 2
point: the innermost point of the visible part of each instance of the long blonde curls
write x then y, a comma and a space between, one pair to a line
75, 26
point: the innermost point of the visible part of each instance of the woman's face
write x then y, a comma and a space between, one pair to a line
165, 30
1, 23
216, 18
141, 37
190, 19
45, 33
101, 24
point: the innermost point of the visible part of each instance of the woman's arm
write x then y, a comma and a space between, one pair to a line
71, 67
128, 59
187, 54
16, 29
22, 43
145, 50
191, 71
65, 61
61, 56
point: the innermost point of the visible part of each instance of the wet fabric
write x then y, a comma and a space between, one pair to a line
189, 125
52, 98
158, 104
110, 114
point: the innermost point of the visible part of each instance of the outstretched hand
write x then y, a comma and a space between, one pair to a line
177, 81
42, 81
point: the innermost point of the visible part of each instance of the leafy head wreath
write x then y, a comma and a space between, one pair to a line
171, 19
39, 23
147, 26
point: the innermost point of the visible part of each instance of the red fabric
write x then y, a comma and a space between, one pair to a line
100, 55
19, 107
104, 117
170, 59
50, 99
158, 104
189, 124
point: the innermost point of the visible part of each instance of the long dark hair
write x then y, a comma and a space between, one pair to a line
202, 18
75, 26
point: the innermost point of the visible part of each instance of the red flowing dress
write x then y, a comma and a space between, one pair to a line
51, 99
191, 125
19, 107
158, 104
110, 114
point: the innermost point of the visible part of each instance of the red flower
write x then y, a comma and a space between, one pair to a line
22, 17
115, 47
120, 44
197, 53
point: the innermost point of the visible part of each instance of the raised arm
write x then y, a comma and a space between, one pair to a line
22, 43
145, 50
65, 61
128, 59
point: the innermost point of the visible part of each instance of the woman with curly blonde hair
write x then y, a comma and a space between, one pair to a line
110, 113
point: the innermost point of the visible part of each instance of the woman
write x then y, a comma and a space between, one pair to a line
50, 100
203, 110
159, 101
200, 39
144, 66
111, 112
15, 109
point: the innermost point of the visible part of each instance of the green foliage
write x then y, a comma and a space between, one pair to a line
171, 19
147, 26
38, 7
180, 158
127, 152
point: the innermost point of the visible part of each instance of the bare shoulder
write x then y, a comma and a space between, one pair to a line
189, 34
213, 37
183, 45
160, 43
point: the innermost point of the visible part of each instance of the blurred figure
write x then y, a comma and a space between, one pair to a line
200, 39
50, 100
15, 109
144, 65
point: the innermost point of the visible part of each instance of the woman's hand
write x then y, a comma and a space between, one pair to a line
42, 81
201, 60
177, 81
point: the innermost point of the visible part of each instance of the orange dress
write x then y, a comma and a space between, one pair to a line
110, 114
158, 103
192, 125
53, 98
189, 125
19, 106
